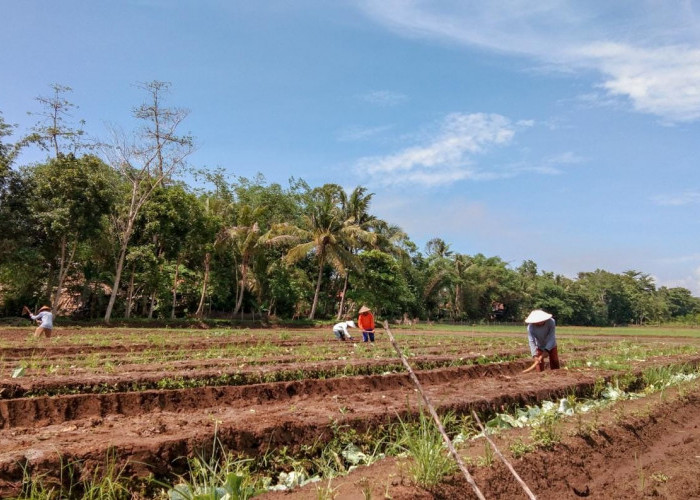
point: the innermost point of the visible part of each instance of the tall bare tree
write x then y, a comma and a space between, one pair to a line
155, 153
54, 131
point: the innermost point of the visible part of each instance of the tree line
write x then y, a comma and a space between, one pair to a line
108, 228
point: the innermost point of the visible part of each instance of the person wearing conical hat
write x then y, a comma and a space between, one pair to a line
542, 339
340, 330
366, 323
45, 319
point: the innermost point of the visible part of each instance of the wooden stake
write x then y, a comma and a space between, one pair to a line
435, 416
503, 459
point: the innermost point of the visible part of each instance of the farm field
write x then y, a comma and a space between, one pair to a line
143, 401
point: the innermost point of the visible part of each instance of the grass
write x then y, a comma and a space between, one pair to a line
219, 475
424, 444
103, 483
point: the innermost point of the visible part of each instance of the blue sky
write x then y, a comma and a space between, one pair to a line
562, 132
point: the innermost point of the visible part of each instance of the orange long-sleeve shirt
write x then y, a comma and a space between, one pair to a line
366, 322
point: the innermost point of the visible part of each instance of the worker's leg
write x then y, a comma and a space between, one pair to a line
540, 365
47, 332
371, 336
38, 332
553, 359
365, 336
338, 335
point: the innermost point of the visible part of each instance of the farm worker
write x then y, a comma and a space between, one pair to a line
45, 319
366, 323
340, 330
540, 335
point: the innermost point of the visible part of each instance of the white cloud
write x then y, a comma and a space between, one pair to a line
452, 153
384, 97
446, 157
691, 282
662, 81
646, 52
678, 199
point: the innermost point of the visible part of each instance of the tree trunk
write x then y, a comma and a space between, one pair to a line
244, 274
200, 308
153, 305
118, 274
63, 272
177, 272
130, 293
342, 298
318, 287
48, 293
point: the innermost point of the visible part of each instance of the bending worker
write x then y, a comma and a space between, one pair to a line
366, 323
45, 319
543, 343
340, 330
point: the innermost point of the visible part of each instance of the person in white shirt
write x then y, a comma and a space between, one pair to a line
340, 330
45, 319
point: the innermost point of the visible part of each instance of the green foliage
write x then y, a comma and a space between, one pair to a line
78, 223
519, 448
430, 461
217, 477
381, 285
547, 432
108, 482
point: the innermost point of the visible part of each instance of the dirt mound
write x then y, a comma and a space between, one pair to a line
83, 400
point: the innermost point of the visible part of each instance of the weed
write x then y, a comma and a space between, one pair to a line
366, 487
487, 459
599, 387
659, 477
221, 475
326, 492
106, 483
619, 414
519, 448
640, 474
423, 442
546, 433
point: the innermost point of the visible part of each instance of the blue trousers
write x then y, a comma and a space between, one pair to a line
367, 335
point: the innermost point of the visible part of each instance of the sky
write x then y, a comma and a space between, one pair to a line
566, 133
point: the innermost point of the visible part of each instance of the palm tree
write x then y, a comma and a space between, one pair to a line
245, 238
355, 208
325, 232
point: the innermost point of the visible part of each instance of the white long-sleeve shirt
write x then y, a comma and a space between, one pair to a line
46, 319
343, 327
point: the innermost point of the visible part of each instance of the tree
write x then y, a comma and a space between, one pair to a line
170, 219
53, 132
8, 151
679, 302
246, 240
70, 198
157, 153
356, 208
325, 233
381, 285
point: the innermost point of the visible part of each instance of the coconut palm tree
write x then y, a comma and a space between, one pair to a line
325, 232
356, 208
246, 240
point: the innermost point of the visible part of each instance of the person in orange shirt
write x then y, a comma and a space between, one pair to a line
366, 323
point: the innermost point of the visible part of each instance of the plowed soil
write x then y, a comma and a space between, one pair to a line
152, 398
